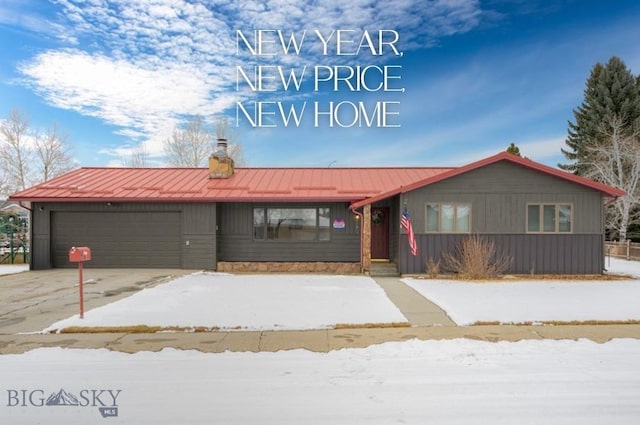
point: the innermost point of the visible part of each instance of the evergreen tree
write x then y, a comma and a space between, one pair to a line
612, 92
513, 149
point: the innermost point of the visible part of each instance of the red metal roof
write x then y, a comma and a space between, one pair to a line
247, 184
360, 186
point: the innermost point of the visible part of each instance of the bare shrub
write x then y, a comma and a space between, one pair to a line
433, 267
476, 258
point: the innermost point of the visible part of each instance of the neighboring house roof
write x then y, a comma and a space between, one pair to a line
13, 207
360, 186
607, 191
246, 184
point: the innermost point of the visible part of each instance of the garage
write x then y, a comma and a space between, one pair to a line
118, 239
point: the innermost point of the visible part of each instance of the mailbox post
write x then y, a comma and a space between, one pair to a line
79, 255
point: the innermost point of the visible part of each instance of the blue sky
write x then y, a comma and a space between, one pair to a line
477, 75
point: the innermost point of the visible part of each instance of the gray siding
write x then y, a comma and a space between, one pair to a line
394, 249
199, 231
236, 243
530, 254
40, 237
499, 194
196, 238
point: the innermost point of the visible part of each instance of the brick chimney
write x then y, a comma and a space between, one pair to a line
220, 163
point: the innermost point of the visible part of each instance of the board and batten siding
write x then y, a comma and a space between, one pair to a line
236, 243
529, 254
196, 236
499, 194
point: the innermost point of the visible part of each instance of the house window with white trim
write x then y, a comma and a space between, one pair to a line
448, 218
549, 218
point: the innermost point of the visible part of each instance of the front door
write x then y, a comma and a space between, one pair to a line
380, 233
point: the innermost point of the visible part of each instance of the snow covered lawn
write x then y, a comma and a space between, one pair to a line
249, 302
620, 266
13, 268
415, 382
532, 301
536, 300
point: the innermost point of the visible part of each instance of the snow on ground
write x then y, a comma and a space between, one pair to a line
532, 301
13, 268
264, 302
536, 300
250, 302
620, 266
415, 382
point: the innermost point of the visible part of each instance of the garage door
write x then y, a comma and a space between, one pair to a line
118, 239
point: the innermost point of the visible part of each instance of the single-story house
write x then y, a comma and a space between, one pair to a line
318, 219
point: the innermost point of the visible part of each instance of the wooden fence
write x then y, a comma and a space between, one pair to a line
628, 250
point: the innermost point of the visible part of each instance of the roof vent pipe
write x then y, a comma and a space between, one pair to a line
221, 148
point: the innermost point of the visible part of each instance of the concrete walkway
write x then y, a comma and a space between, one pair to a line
416, 308
314, 340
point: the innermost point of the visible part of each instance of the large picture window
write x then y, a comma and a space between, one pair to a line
549, 218
448, 218
292, 224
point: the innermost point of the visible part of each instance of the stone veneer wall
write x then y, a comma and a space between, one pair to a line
287, 267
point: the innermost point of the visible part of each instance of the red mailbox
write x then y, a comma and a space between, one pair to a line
78, 254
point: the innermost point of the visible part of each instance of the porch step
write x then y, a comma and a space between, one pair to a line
384, 269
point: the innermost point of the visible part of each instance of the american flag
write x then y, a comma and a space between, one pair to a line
406, 224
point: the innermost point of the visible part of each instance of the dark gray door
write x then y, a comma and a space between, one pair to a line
118, 239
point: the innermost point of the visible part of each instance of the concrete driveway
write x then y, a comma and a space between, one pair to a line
31, 301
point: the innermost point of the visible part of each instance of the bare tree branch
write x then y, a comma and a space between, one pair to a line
236, 153
188, 147
137, 158
15, 156
191, 146
54, 154
617, 163
4, 185
27, 157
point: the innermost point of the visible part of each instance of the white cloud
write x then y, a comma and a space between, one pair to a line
143, 102
143, 65
16, 14
540, 150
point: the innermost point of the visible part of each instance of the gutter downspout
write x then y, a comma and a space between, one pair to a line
24, 206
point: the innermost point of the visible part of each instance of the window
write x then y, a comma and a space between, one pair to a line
258, 223
324, 224
449, 218
292, 224
549, 218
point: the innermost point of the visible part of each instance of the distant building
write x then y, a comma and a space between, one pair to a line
19, 217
